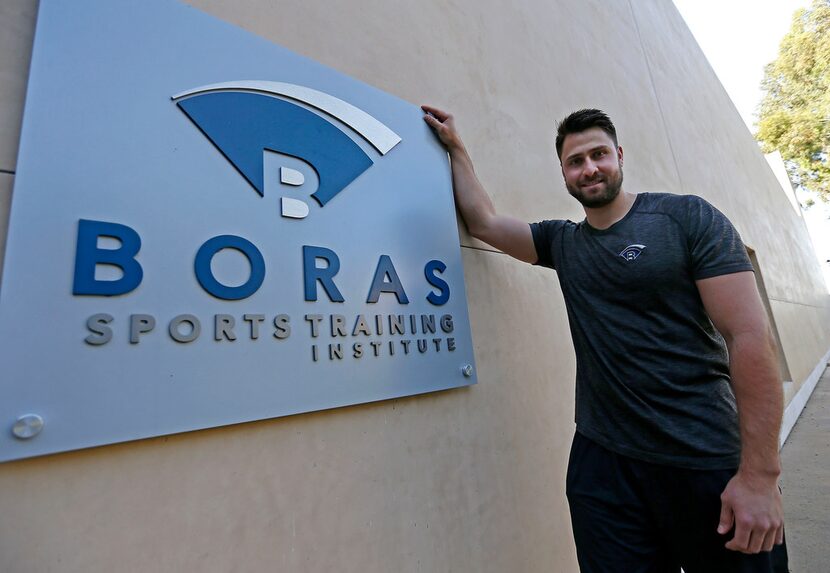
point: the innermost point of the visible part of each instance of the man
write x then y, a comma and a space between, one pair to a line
675, 459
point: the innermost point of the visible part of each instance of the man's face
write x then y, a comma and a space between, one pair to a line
592, 167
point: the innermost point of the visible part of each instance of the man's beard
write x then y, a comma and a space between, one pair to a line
613, 184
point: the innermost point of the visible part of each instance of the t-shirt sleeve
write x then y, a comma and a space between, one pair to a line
545, 236
715, 246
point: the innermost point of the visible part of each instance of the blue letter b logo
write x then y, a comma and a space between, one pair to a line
88, 255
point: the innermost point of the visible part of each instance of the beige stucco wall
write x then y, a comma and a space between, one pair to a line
463, 480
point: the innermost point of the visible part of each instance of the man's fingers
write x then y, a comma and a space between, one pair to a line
740, 541
749, 540
756, 541
431, 121
441, 115
779, 535
727, 518
769, 540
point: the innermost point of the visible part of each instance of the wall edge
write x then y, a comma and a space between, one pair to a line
799, 401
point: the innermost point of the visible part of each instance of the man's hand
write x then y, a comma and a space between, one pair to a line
444, 125
752, 503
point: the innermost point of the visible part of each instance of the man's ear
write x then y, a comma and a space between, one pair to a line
620, 155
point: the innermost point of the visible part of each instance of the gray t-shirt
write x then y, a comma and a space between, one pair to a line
652, 378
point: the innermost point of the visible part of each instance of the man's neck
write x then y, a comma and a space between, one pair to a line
604, 217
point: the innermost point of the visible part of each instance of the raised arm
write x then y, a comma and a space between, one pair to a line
751, 500
505, 233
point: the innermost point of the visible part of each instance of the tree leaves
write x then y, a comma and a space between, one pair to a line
794, 115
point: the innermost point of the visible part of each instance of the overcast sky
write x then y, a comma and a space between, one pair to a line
739, 37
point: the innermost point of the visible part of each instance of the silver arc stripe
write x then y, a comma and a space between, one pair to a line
376, 133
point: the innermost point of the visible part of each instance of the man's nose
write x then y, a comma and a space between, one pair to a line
589, 168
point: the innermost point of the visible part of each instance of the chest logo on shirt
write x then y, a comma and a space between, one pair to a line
631, 252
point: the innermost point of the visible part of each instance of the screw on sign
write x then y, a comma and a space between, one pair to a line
27, 426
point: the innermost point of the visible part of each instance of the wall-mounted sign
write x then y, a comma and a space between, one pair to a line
209, 229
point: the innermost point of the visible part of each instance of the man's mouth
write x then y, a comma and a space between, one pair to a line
591, 184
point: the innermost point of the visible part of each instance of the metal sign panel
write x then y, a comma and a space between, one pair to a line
208, 229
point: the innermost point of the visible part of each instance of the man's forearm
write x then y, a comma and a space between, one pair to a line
472, 200
505, 233
755, 380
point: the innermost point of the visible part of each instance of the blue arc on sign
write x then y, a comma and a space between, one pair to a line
241, 125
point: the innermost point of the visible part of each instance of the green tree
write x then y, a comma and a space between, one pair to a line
794, 115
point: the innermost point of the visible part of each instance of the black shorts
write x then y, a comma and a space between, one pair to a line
631, 516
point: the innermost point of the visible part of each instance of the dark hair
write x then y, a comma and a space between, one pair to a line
581, 120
